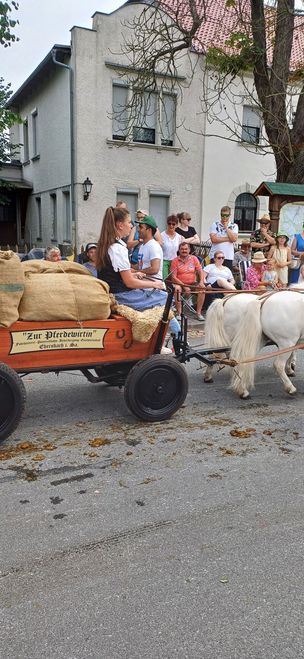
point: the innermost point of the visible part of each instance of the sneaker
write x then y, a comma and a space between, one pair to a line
200, 317
166, 351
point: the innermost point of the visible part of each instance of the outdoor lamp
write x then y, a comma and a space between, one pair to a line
87, 188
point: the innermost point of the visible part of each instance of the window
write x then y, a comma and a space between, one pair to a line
245, 211
131, 199
159, 208
145, 117
120, 114
251, 127
67, 215
167, 121
25, 141
53, 198
149, 120
39, 218
35, 132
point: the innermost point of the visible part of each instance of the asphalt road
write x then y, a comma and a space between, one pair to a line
121, 539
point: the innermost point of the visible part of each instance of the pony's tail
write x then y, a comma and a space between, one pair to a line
245, 345
215, 336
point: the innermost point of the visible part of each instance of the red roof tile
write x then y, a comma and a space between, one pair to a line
220, 21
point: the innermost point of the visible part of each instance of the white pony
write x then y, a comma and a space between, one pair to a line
222, 322
278, 317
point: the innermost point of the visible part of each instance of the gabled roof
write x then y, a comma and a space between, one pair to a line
268, 189
40, 73
219, 21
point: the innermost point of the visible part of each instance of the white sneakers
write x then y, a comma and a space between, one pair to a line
166, 351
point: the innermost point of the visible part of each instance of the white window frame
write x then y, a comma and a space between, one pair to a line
35, 134
66, 198
39, 218
25, 127
155, 127
252, 129
54, 218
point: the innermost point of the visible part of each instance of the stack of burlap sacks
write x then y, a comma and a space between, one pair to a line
45, 291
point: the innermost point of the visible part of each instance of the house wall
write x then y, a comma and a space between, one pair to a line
232, 167
116, 168
49, 169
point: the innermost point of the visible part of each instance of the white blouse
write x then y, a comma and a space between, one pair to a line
170, 245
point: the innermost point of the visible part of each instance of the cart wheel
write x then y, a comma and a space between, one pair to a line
12, 400
156, 388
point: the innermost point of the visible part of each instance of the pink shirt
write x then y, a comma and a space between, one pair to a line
254, 277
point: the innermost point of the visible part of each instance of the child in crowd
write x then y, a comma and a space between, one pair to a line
281, 253
270, 275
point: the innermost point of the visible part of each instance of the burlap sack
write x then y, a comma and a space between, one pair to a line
36, 266
11, 287
63, 291
144, 323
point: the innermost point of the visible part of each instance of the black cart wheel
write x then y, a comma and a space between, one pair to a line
12, 400
156, 388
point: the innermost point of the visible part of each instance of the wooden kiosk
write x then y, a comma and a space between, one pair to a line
279, 194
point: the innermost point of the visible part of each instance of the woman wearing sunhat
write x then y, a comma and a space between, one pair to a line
281, 253
255, 272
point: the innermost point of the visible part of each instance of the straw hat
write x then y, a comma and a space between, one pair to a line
258, 257
265, 219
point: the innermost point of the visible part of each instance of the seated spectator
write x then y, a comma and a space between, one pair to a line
186, 271
171, 241
34, 253
270, 275
255, 272
90, 263
52, 254
243, 254
218, 277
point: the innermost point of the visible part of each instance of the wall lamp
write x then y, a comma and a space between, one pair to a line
87, 188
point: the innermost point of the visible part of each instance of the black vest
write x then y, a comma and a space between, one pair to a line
112, 278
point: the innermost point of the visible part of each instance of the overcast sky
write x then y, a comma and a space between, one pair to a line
41, 24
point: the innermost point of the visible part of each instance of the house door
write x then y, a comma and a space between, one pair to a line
8, 219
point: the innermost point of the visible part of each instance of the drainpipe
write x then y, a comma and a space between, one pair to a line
206, 73
72, 149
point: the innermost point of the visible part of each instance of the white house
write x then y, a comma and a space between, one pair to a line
71, 132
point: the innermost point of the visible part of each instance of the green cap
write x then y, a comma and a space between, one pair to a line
148, 220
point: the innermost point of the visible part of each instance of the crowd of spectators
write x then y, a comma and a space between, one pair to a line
138, 260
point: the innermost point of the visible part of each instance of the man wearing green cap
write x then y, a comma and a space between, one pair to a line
150, 253
150, 257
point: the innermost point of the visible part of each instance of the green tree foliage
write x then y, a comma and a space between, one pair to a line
7, 24
7, 117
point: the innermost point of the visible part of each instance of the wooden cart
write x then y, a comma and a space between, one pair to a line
155, 385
